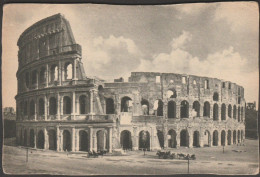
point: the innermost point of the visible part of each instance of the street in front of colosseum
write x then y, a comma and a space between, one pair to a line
236, 159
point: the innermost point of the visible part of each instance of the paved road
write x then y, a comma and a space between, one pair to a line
209, 160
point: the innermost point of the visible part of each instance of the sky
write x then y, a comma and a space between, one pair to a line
218, 40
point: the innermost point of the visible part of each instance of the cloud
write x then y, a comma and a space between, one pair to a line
242, 16
193, 8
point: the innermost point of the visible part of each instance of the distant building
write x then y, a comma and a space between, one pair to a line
9, 113
251, 106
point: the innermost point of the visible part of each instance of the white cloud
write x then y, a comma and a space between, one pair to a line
180, 41
242, 16
193, 8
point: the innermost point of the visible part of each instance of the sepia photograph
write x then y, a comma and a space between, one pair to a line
101, 89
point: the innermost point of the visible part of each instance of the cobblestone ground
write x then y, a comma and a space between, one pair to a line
234, 160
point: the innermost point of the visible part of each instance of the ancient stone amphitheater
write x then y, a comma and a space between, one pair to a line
60, 108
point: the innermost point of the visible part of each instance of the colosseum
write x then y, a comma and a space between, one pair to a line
60, 108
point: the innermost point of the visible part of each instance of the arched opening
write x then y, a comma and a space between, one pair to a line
53, 106
101, 140
207, 138
32, 108
144, 140
83, 141
206, 109
242, 135
229, 110
160, 138
66, 140
184, 109
41, 107
34, 77
126, 140
238, 114
171, 93
196, 139
25, 137
66, 105
234, 137
172, 142
234, 112
223, 112
238, 136
25, 108
32, 143
171, 109
215, 96
42, 75
184, 138
229, 137
145, 107
126, 104
52, 140
242, 114
206, 84
223, 138
83, 104
215, 111
160, 108
40, 140
110, 109
54, 73
215, 138
27, 79
68, 71
239, 100
196, 107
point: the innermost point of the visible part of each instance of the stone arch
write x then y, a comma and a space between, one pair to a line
34, 76
238, 136
25, 137
206, 109
223, 112
215, 96
27, 79
215, 138
242, 114
229, 110
229, 137
171, 93
196, 107
126, 140
102, 143
110, 108
234, 137
242, 135
32, 108
54, 73
25, 108
83, 105
184, 109
68, 71
83, 140
40, 140
32, 143
126, 104
234, 112
207, 139
172, 141
66, 140
41, 106
184, 138
67, 105
238, 113
144, 140
145, 107
223, 138
43, 75
53, 106
171, 109
215, 111
52, 139
160, 138
196, 139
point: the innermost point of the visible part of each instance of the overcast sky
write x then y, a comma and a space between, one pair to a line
214, 39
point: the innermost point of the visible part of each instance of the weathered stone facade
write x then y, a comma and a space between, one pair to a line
60, 108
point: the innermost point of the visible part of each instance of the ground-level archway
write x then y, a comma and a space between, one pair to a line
207, 138
144, 140
238, 136
126, 140
52, 140
223, 138
196, 139
234, 137
229, 137
66, 140
40, 140
102, 143
172, 142
215, 138
32, 143
184, 138
160, 138
83, 140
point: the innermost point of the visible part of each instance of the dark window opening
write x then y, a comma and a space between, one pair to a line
53, 106
126, 104
223, 112
41, 106
206, 110
215, 112
145, 107
215, 96
110, 109
184, 109
66, 105
196, 107
171, 109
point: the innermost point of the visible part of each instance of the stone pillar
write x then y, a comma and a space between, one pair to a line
35, 109
37, 80
94, 142
219, 138
46, 139
46, 107
90, 139
58, 138
58, 106
178, 110
178, 139
75, 70
60, 73
151, 139
73, 142
61, 106
226, 138
77, 140
211, 110
190, 139
35, 138
201, 138
91, 101
110, 139
135, 139
73, 105
47, 75
219, 113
